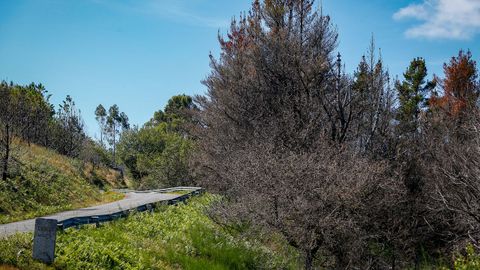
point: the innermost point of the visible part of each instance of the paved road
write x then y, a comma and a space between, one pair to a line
131, 200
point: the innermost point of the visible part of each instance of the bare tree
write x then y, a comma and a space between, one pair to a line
313, 199
374, 103
273, 130
15, 116
7, 120
69, 134
454, 170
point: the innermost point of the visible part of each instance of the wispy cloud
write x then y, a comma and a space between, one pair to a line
442, 19
175, 10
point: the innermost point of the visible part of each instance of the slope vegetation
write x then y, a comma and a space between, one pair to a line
43, 182
176, 237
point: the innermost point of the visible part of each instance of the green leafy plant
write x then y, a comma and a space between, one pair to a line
173, 237
470, 261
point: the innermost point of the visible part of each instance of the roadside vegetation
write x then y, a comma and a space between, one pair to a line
48, 163
345, 169
156, 154
173, 237
44, 182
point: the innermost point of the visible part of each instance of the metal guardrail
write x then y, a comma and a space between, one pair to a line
161, 190
46, 229
84, 220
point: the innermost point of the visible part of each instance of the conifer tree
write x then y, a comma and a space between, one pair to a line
374, 102
460, 86
412, 95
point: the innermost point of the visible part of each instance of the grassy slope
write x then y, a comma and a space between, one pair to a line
44, 182
176, 237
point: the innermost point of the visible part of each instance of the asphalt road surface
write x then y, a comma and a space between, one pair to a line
131, 200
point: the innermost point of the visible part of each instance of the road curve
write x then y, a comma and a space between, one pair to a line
131, 200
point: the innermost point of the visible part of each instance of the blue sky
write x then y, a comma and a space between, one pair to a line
138, 53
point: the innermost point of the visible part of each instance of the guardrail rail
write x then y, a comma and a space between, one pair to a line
85, 220
46, 229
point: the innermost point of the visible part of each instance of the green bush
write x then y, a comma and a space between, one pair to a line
156, 156
471, 261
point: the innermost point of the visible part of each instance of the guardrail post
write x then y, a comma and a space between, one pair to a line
77, 223
96, 220
46, 229
44, 239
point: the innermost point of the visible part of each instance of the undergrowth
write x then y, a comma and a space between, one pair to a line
43, 182
175, 237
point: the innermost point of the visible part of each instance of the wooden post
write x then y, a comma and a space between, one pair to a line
44, 239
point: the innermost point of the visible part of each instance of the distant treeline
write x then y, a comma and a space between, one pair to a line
154, 155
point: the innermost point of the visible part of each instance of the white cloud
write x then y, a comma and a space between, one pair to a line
443, 19
179, 10
174, 10
417, 11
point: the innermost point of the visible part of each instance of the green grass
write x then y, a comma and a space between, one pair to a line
179, 192
175, 237
43, 182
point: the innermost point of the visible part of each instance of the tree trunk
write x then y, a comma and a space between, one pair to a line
114, 145
309, 256
7, 153
309, 261
393, 260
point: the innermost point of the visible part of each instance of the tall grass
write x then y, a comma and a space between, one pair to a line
176, 237
43, 182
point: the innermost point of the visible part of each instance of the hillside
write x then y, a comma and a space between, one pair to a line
42, 182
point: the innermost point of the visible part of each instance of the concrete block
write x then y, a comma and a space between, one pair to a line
44, 239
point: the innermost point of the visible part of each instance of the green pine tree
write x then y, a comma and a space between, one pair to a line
412, 95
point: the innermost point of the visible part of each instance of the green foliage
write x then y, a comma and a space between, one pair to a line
176, 113
177, 105
168, 167
17, 251
111, 126
176, 237
94, 153
101, 117
27, 109
412, 94
26, 113
412, 97
471, 261
156, 154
